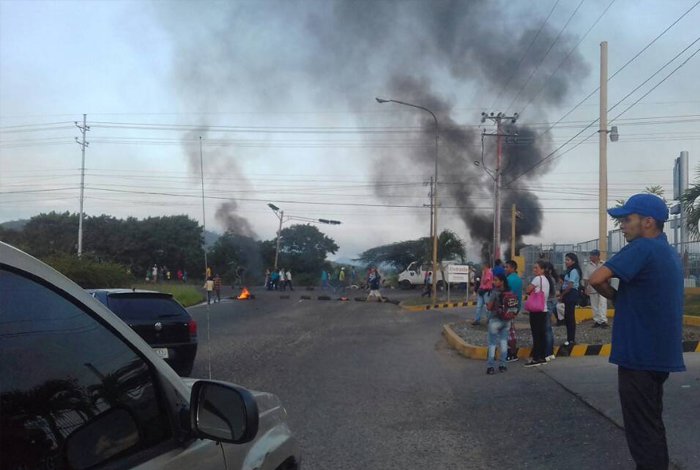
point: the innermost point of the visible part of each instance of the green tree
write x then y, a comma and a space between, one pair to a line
304, 248
400, 254
233, 254
690, 202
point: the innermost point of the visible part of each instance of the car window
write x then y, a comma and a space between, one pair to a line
73, 394
144, 307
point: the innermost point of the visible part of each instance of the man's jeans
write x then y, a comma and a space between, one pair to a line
599, 304
498, 336
641, 397
480, 306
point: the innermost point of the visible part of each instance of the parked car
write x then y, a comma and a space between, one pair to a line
160, 320
80, 389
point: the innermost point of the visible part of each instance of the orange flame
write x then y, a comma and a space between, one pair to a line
245, 294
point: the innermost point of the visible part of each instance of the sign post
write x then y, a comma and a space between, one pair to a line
457, 273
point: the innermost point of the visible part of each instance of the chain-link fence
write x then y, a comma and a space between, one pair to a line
689, 253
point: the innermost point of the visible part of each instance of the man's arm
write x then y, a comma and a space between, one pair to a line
600, 282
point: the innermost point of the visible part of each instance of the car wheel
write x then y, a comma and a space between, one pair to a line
406, 285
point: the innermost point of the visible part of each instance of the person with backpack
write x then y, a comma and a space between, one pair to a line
502, 305
570, 295
516, 287
374, 281
537, 306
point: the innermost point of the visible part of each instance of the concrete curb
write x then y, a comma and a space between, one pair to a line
579, 350
442, 305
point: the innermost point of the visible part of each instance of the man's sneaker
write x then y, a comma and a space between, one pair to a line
502, 368
534, 363
569, 344
550, 358
603, 325
595, 325
490, 371
512, 359
476, 322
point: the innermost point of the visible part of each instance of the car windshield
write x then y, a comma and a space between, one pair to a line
134, 307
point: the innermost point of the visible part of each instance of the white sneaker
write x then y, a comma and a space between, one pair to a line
550, 358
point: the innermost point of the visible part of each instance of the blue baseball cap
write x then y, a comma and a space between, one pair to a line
646, 205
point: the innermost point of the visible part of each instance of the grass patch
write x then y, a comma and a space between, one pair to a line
692, 301
186, 294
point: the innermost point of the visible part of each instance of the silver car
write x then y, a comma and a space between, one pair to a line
81, 389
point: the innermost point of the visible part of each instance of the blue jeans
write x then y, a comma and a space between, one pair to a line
480, 306
549, 334
498, 336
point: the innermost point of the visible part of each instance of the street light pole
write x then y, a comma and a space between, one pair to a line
280, 215
433, 296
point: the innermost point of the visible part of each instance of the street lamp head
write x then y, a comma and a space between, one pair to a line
273, 207
477, 163
614, 135
380, 100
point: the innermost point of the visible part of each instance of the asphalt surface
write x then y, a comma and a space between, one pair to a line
371, 386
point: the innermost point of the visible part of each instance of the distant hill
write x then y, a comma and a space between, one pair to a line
14, 224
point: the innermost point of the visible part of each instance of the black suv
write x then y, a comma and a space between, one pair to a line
160, 320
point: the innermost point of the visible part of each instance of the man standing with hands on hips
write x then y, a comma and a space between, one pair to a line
647, 331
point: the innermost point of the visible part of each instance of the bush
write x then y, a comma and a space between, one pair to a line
89, 273
186, 294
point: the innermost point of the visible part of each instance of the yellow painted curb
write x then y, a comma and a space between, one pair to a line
438, 306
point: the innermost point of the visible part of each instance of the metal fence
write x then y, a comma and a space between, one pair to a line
689, 253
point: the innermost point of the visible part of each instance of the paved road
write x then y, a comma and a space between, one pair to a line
370, 386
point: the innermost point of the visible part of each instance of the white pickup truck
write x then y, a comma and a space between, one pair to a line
414, 275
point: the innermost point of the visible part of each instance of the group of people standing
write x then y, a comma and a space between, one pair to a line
557, 297
278, 280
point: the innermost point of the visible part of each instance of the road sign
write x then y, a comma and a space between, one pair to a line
457, 273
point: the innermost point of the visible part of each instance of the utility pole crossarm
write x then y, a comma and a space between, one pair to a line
498, 120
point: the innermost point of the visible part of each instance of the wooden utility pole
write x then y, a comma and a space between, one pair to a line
603, 155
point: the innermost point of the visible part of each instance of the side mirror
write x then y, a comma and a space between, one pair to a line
223, 412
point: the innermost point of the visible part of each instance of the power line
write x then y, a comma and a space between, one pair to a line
556, 39
522, 58
551, 155
571, 51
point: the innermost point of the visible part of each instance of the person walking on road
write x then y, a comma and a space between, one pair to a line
341, 280
515, 285
324, 279
497, 328
217, 287
648, 326
209, 286
485, 286
538, 320
427, 284
599, 304
569, 295
288, 279
374, 281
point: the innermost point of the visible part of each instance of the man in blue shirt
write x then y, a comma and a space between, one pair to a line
647, 330
516, 287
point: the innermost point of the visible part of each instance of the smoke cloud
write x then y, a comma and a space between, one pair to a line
423, 52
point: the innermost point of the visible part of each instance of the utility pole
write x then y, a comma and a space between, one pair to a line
498, 119
432, 208
83, 144
512, 231
279, 236
204, 220
603, 155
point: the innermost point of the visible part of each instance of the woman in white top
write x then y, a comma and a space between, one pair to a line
538, 320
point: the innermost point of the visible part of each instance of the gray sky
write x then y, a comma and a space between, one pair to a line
283, 95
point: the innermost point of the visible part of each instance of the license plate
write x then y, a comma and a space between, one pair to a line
162, 352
